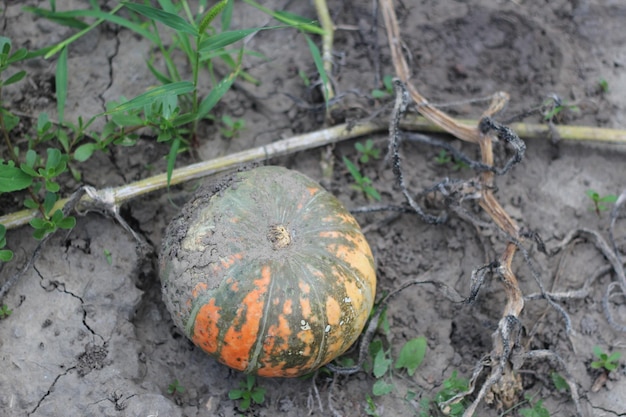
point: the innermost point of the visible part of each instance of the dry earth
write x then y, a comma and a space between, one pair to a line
93, 338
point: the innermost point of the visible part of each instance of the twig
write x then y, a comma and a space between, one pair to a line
303, 142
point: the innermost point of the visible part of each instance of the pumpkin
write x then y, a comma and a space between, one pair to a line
268, 273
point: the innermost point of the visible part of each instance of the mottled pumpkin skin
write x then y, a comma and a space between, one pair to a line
268, 273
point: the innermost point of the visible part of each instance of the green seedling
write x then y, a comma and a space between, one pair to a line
599, 202
371, 409
411, 355
247, 393
388, 88
362, 183
443, 158
108, 256
5, 254
5, 312
452, 386
304, 77
608, 362
556, 107
604, 85
559, 382
175, 388
537, 409
367, 151
232, 127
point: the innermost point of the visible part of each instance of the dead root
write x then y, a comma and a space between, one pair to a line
502, 383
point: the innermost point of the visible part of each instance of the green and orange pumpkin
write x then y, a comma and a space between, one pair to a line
268, 273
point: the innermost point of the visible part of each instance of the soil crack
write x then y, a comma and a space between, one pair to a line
42, 399
606, 410
60, 286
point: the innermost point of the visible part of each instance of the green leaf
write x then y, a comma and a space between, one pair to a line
13, 178
6, 255
207, 104
224, 39
290, 19
381, 364
169, 19
5, 49
39, 223
559, 382
49, 200
412, 354
10, 120
68, 223
61, 83
15, 78
381, 387
354, 171
379, 94
235, 394
319, 65
84, 151
52, 186
147, 98
30, 203
258, 395
98, 14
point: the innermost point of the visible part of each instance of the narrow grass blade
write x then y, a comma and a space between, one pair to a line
148, 97
319, 65
207, 104
290, 19
169, 19
61, 83
224, 39
160, 76
61, 18
58, 47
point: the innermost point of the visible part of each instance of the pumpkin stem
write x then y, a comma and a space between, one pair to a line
279, 236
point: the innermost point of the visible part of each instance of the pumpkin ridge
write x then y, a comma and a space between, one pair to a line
321, 353
253, 359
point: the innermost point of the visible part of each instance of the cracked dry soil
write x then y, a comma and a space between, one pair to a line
89, 337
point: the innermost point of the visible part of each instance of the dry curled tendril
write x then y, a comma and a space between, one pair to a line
497, 369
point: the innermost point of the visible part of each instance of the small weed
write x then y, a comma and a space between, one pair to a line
559, 382
537, 409
5, 311
443, 158
371, 409
452, 386
556, 107
305, 78
362, 183
367, 151
232, 127
411, 355
599, 202
108, 256
608, 362
247, 393
175, 388
604, 85
388, 91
